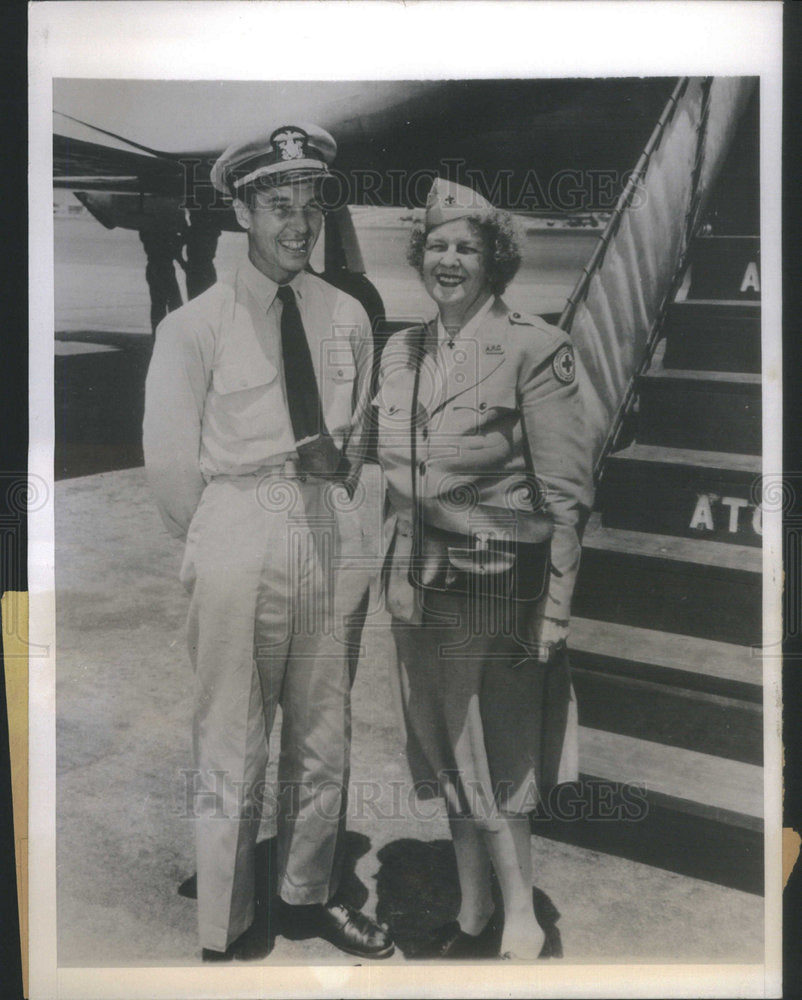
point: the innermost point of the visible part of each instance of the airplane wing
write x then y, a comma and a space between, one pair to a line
124, 183
517, 138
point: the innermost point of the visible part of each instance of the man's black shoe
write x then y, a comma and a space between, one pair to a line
353, 932
344, 927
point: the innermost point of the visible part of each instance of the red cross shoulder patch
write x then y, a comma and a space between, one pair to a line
563, 364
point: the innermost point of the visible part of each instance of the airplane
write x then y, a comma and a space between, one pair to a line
520, 142
667, 613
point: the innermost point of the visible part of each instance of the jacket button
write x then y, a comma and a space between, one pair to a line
424, 433
339, 371
516, 315
391, 409
422, 469
483, 406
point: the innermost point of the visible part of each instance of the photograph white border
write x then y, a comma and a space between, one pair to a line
431, 39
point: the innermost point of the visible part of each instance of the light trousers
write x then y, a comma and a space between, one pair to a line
260, 564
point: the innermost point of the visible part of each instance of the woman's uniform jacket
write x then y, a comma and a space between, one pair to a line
500, 443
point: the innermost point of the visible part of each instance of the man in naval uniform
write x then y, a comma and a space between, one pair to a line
256, 400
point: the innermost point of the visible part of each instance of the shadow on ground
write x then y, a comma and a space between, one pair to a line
416, 886
418, 890
352, 889
99, 401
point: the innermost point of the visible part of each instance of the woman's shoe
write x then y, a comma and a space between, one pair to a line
439, 942
488, 940
450, 941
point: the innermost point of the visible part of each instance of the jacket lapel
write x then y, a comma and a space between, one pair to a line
430, 378
482, 353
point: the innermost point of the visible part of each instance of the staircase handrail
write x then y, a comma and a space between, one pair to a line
613, 375
580, 289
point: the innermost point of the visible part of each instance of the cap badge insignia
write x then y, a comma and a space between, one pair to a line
289, 143
563, 364
449, 199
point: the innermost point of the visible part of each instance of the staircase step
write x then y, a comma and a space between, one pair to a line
725, 267
676, 717
683, 660
677, 690
702, 410
670, 584
697, 847
674, 809
696, 783
713, 335
693, 493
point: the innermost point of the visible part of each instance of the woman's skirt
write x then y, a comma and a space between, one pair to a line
487, 726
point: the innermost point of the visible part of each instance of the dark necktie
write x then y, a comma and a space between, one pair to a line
317, 453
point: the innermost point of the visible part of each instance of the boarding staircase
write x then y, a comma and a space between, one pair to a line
667, 629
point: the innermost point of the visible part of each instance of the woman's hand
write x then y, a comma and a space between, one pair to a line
553, 631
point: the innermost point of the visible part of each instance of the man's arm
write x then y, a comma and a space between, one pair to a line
362, 349
175, 392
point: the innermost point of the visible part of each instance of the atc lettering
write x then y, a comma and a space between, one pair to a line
731, 514
751, 279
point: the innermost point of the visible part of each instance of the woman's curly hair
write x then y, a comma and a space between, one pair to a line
497, 231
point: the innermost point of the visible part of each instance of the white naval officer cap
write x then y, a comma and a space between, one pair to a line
448, 201
286, 153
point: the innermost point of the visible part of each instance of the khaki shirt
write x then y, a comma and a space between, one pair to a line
215, 398
499, 405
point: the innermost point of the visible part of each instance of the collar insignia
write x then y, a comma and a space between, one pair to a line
494, 348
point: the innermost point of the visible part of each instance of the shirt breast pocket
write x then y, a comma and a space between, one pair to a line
235, 377
339, 376
248, 400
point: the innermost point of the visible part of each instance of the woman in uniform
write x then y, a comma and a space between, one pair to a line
482, 443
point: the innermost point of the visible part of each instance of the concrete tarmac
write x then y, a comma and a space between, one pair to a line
99, 274
124, 694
